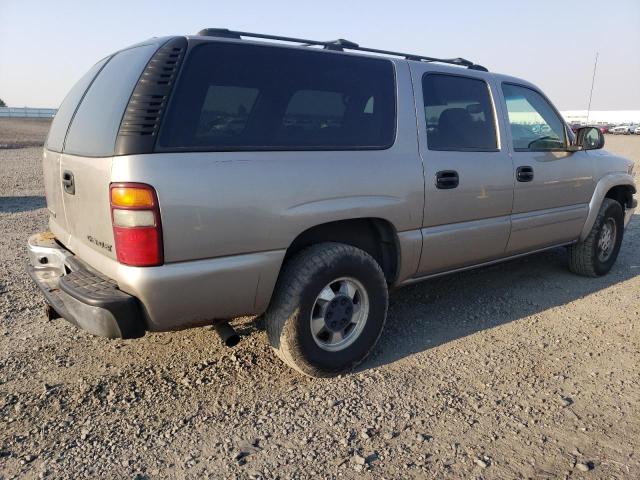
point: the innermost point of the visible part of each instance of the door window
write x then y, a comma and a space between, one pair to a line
535, 125
459, 113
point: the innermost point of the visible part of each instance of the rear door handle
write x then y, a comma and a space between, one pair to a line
524, 173
447, 179
67, 182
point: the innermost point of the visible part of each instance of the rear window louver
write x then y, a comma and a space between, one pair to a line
141, 120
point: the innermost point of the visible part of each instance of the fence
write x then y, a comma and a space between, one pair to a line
25, 112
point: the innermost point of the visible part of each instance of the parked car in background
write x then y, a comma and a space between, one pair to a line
603, 128
621, 130
195, 179
637, 131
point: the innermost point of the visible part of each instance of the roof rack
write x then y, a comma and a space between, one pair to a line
339, 45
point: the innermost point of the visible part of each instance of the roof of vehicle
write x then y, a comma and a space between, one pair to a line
339, 45
350, 48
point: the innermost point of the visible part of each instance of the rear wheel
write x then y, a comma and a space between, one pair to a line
598, 252
328, 310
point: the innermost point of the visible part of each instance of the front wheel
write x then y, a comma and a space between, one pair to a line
328, 310
597, 253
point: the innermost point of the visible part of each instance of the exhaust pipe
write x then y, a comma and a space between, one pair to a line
227, 334
51, 312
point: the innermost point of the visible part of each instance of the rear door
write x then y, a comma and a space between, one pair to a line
468, 175
85, 165
53, 147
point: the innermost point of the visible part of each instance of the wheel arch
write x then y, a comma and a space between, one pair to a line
614, 185
376, 236
623, 194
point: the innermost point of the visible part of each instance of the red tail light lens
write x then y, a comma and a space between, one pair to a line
138, 246
136, 224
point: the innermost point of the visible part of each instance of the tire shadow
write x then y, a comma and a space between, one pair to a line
22, 204
437, 311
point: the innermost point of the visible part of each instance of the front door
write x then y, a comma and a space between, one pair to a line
553, 186
468, 175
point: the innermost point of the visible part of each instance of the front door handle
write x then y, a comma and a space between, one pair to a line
524, 173
447, 179
68, 183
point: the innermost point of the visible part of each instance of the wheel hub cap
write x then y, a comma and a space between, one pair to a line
338, 313
607, 240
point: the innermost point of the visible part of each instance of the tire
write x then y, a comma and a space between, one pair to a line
587, 257
343, 269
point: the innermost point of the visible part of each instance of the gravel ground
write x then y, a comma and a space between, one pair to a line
23, 132
520, 370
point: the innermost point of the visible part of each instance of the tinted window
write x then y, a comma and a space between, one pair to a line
95, 126
225, 111
534, 123
60, 123
459, 113
246, 97
313, 110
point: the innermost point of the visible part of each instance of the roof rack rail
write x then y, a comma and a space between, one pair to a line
340, 45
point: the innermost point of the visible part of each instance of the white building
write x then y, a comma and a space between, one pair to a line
602, 117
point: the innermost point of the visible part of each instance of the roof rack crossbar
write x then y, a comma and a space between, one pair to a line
341, 44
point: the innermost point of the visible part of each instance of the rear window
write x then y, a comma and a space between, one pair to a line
63, 116
95, 125
247, 97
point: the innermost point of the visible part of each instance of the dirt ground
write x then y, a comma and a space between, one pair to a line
23, 132
519, 370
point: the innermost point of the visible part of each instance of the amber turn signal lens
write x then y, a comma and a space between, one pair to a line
131, 197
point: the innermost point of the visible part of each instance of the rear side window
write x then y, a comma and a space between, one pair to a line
63, 116
459, 113
247, 97
95, 125
225, 110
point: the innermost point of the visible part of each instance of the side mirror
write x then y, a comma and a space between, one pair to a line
589, 138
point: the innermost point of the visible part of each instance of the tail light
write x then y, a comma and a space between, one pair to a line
136, 224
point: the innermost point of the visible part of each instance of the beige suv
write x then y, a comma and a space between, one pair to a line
191, 180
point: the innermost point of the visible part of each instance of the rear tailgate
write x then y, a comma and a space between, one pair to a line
86, 204
85, 166
54, 144
53, 191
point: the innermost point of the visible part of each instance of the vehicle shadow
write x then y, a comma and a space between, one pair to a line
437, 311
21, 204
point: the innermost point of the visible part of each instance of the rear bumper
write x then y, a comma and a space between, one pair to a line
154, 299
80, 294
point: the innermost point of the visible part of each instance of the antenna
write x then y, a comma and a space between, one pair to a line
593, 80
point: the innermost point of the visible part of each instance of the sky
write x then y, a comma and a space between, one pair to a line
45, 46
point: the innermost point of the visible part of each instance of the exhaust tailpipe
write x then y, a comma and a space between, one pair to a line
227, 334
